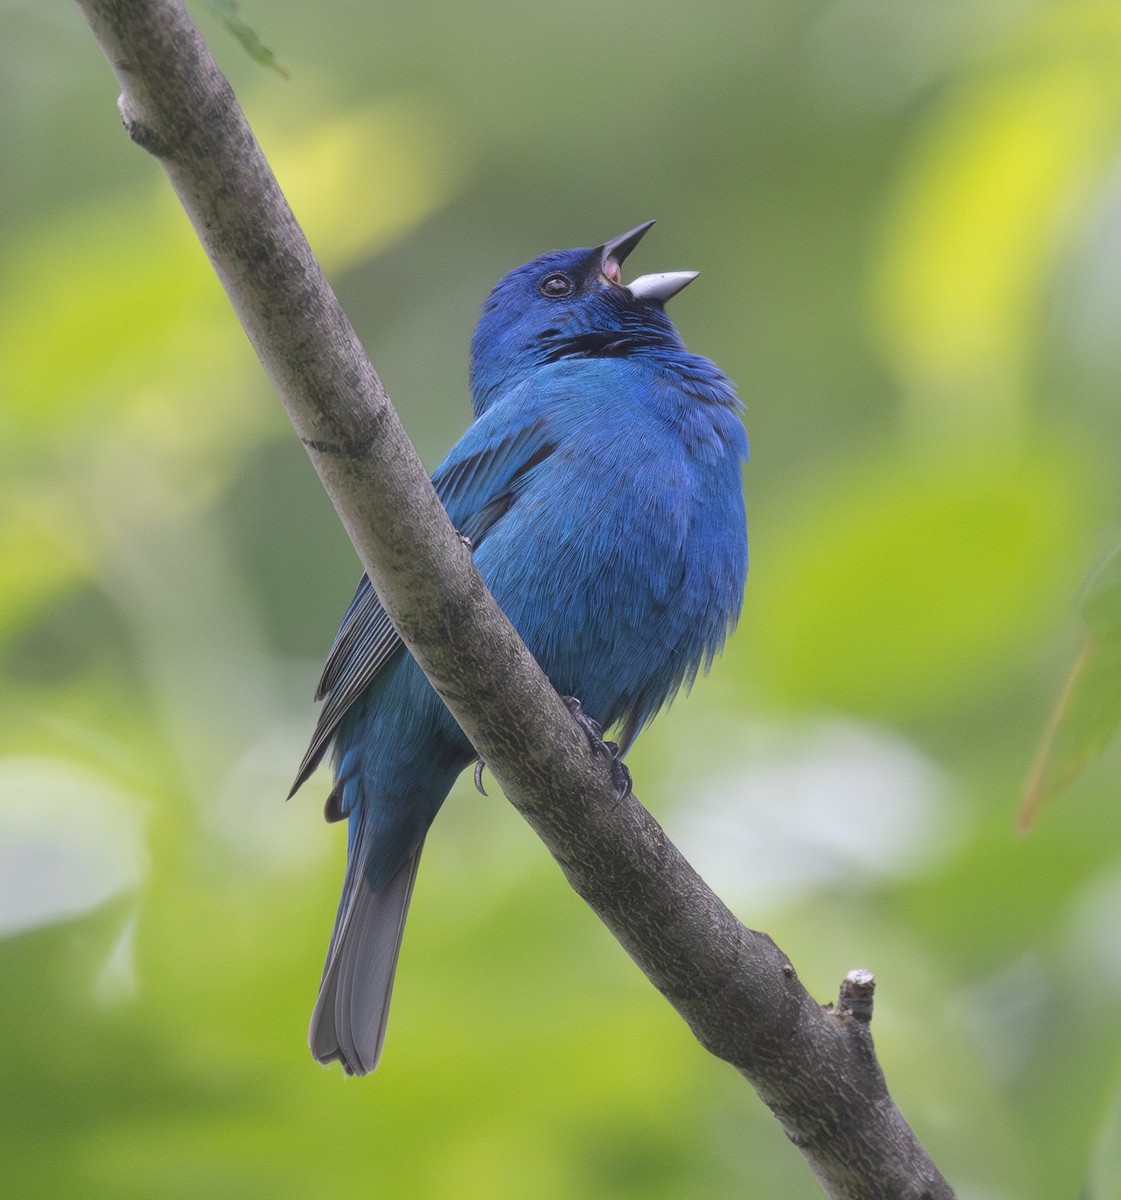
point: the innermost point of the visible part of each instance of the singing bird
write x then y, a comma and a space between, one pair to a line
600, 486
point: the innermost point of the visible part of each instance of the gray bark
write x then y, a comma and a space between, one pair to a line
813, 1066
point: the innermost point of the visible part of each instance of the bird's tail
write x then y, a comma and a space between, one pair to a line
350, 1014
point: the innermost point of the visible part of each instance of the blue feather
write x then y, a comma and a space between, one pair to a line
600, 486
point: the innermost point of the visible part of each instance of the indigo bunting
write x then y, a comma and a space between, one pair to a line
600, 488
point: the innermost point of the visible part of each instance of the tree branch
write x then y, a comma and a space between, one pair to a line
815, 1067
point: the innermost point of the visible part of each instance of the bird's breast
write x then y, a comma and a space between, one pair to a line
605, 565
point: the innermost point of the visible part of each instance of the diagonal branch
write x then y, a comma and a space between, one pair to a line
815, 1067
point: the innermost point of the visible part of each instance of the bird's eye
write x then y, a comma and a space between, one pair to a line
556, 286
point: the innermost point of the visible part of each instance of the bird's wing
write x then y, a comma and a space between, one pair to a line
477, 482
482, 477
364, 644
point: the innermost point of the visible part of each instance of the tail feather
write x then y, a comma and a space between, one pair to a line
352, 1008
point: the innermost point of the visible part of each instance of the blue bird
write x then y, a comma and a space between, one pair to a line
600, 486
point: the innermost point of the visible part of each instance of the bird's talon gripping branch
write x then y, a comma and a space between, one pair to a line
593, 730
479, 777
620, 774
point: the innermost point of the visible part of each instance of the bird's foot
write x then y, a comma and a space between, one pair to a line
593, 731
479, 777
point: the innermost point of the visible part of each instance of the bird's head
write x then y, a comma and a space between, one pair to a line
571, 304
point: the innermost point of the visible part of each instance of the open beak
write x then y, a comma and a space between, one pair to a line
659, 288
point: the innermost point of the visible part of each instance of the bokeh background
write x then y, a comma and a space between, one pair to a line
907, 215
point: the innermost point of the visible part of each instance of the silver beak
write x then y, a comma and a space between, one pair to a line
661, 287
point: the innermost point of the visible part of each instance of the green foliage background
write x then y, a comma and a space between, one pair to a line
908, 218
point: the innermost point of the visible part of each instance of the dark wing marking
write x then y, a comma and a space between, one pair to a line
365, 643
477, 490
364, 614
477, 525
480, 487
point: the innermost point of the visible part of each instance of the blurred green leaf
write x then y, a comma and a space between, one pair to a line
995, 190
908, 586
104, 304
1088, 712
1101, 598
37, 560
103, 311
227, 10
97, 301
361, 178
1104, 1181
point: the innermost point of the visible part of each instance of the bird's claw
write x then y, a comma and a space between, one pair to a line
593, 731
620, 774
479, 777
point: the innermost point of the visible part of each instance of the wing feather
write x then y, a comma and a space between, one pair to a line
478, 482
